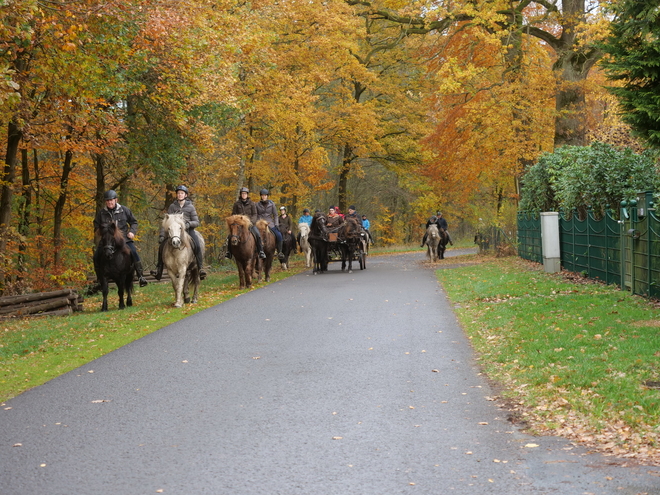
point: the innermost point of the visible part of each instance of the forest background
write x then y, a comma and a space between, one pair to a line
401, 108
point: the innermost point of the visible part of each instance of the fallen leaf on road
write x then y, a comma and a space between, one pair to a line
18, 445
337, 438
483, 423
435, 371
531, 445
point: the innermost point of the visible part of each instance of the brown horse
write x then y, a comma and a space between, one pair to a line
350, 237
113, 260
270, 243
243, 248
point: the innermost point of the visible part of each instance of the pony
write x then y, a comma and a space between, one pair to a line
436, 241
288, 247
179, 258
305, 247
350, 237
113, 260
270, 244
318, 240
243, 248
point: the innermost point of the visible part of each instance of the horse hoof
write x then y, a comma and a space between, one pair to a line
186, 300
177, 305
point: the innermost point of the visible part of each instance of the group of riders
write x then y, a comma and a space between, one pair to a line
263, 209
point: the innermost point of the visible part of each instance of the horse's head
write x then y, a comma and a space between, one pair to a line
303, 228
239, 226
112, 240
319, 223
175, 226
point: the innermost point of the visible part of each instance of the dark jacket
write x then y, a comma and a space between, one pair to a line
267, 211
440, 222
188, 210
285, 224
121, 215
247, 208
335, 221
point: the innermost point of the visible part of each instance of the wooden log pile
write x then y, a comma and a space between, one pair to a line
54, 303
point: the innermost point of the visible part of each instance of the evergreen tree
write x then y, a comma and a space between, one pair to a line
634, 49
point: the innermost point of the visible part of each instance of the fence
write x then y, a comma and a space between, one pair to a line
623, 251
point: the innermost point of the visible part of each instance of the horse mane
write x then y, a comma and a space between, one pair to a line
112, 230
174, 217
303, 226
239, 219
262, 224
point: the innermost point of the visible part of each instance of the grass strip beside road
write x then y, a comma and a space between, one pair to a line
35, 350
571, 357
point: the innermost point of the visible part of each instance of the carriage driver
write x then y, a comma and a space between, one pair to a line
440, 221
266, 211
182, 204
245, 206
127, 224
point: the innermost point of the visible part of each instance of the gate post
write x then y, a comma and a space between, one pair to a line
550, 241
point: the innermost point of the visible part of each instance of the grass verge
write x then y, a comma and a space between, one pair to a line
573, 358
35, 350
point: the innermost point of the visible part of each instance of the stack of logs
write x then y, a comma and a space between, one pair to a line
55, 303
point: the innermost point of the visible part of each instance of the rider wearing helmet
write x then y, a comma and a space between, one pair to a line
266, 211
245, 206
440, 221
127, 224
182, 204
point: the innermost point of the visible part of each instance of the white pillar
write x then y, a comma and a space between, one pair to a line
550, 241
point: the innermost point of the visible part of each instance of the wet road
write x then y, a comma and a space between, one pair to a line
317, 385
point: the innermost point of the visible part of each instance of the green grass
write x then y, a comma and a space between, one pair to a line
574, 357
35, 350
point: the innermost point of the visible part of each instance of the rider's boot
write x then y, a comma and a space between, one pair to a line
140, 274
423, 241
260, 247
158, 273
280, 254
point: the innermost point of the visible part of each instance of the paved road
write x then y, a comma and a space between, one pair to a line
338, 383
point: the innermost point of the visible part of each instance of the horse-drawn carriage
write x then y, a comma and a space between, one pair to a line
337, 247
346, 243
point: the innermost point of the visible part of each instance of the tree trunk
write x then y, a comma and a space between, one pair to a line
348, 157
99, 163
24, 210
14, 136
59, 207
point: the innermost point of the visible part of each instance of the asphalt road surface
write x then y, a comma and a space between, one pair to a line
337, 383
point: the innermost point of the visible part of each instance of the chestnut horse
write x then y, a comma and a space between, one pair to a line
270, 244
113, 260
179, 258
318, 240
243, 248
350, 237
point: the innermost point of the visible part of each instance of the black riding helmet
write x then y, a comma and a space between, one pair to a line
263, 192
110, 195
181, 188
244, 189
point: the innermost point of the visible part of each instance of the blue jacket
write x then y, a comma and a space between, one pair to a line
366, 224
306, 219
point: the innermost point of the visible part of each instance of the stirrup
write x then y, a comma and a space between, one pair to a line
143, 281
156, 274
262, 255
202, 274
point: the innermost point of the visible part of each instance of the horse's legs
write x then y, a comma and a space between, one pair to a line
129, 287
104, 289
177, 284
186, 284
120, 292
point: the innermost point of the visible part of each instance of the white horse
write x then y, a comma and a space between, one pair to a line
305, 247
179, 258
432, 242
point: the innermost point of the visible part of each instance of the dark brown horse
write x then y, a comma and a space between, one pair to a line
113, 260
318, 239
243, 248
270, 244
350, 237
289, 245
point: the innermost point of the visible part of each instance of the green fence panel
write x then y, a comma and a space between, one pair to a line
529, 237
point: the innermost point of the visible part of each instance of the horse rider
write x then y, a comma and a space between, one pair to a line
127, 224
285, 221
266, 211
440, 221
333, 220
245, 206
305, 217
182, 204
366, 225
353, 214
